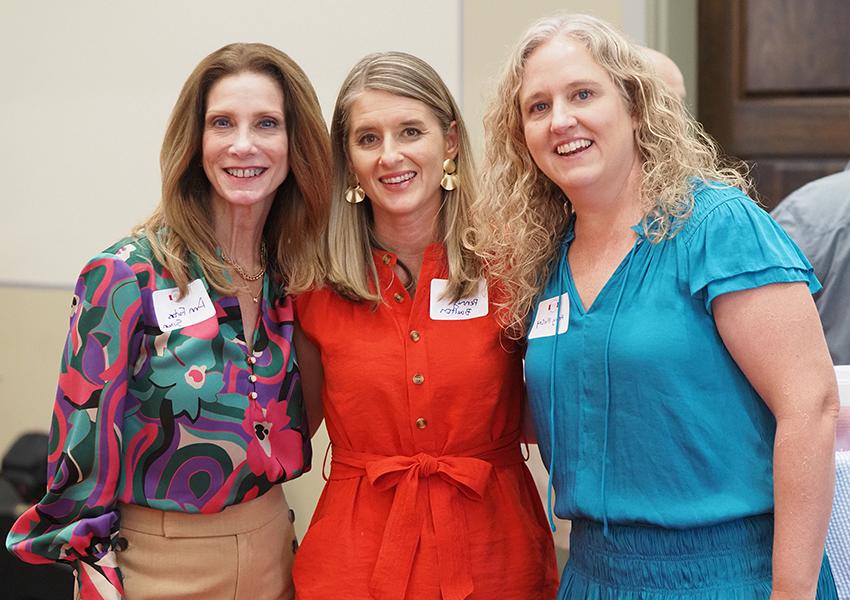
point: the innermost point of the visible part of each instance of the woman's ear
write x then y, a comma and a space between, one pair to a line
451, 140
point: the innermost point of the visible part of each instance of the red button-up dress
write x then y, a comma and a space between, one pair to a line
428, 495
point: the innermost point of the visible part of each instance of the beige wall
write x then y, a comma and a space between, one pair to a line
34, 323
475, 35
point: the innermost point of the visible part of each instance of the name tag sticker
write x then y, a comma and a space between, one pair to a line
443, 309
547, 313
193, 308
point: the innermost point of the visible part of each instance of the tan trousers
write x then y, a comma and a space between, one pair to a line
242, 553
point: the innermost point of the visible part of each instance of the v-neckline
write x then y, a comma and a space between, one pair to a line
237, 322
249, 348
572, 289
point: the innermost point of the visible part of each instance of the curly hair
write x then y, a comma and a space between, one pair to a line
520, 246
348, 254
181, 226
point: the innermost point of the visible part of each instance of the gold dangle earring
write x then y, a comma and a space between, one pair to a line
450, 179
355, 194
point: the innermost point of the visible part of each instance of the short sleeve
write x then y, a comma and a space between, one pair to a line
77, 522
734, 245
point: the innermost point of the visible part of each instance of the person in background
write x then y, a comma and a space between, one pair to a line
676, 369
179, 409
667, 71
817, 217
428, 496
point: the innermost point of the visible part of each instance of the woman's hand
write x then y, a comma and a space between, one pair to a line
775, 336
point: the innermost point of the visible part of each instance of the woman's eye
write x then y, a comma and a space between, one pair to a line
367, 139
539, 107
267, 123
411, 132
220, 122
583, 94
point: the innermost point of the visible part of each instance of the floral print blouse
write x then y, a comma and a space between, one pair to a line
160, 404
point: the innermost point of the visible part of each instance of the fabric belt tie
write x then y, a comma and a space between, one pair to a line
448, 479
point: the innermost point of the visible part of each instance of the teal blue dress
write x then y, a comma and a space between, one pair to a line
658, 447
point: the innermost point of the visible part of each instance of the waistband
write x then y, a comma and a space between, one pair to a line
422, 483
721, 556
347, 463
233, 520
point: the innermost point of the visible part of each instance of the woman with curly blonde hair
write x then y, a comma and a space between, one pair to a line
676, 369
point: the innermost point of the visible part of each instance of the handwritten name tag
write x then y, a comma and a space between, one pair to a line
443, 309
546, 315
194, 307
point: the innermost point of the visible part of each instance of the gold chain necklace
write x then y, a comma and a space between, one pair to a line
241, 271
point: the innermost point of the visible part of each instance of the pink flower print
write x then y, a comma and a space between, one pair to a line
124, 251
275, 449
196, 376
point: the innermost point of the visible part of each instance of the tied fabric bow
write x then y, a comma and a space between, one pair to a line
421, 480
423, 485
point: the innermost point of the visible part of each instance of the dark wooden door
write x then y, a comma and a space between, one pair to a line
774, 87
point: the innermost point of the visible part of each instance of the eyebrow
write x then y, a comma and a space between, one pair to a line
408, 123
227, 111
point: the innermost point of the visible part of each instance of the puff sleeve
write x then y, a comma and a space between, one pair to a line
734, 245
77, 522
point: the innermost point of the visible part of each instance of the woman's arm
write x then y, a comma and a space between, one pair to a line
774, 335
76, 521
312, 378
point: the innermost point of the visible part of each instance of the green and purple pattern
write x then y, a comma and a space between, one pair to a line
185, 420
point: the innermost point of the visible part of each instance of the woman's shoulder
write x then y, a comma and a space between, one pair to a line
732, 244
128, 258
725, 205
316, 299
131, 250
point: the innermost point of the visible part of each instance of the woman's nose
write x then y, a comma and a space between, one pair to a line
563, 117
243, 142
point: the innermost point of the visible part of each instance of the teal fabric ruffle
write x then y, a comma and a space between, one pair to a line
734, 245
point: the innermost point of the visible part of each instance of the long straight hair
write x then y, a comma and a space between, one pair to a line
181, 226
348, 254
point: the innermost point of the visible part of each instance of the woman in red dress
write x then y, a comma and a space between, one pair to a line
428, 495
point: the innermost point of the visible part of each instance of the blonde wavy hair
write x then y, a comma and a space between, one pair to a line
348, 253
181, 227
529, 213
